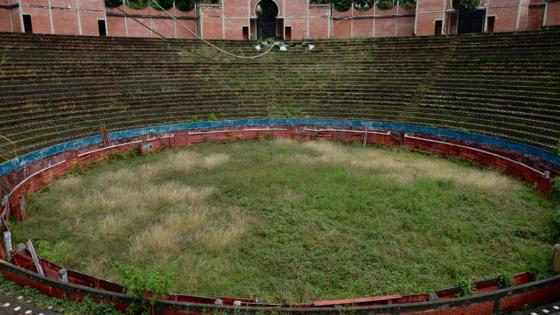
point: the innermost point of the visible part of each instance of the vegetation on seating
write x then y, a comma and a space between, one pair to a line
285, 221
87, 306
432, 81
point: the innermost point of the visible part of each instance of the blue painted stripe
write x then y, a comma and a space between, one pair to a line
269, 122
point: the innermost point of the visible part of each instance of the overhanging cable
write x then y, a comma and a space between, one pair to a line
209, 43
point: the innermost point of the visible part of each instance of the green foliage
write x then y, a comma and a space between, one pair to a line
556, 185
504, 280
465, 286
156, 279
184, 5
87, 306
342, 5
466, 4
385, 4
59, 252
166, 4
363, 4
195, 118
556, 222
408, 4
212, 117
113, 3
137, 4
558, 148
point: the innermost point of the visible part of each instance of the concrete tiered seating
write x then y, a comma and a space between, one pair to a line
57, 88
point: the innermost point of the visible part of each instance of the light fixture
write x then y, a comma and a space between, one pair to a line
310, 46
283, 48
258, 48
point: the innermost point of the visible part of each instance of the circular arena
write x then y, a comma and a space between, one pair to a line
413, 175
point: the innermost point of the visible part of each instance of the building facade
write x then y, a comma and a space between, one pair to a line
283, 19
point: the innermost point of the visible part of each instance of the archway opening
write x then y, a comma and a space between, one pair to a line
266, 12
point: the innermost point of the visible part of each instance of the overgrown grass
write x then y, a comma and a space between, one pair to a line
291, 222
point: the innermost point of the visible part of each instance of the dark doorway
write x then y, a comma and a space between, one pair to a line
471, 21
102, 28
27, 26
491, 22
267, 11
439, 27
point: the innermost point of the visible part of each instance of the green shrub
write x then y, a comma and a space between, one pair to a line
504, 281
558, 148
113, 3
408, 4
363, 4
342, 5
166, 4
195, 118
465, 286
136, 282
212, 117
466, 4
385, 4
137, 4
184, 5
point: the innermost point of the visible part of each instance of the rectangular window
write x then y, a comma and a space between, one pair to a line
439, 27
288, 31
245, 32
27, 26
102, 27
490, 26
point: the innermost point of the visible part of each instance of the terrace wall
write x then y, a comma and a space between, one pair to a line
227, 19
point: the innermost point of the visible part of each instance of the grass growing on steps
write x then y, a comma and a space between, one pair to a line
291, 222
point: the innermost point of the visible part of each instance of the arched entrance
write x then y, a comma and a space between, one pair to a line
266, 11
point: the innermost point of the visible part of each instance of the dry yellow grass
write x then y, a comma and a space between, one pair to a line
405, 170
189, 227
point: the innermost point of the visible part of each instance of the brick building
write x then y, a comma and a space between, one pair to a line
286, 19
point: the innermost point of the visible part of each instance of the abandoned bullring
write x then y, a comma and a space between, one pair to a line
279, 156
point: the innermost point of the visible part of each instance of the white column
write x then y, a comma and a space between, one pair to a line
50, 17
174, 22
223, 19
125, 22
518, 15
544, 20
307, 27
79, 19
443, 24
352, 20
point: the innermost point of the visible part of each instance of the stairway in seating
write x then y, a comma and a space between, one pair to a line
408, 112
